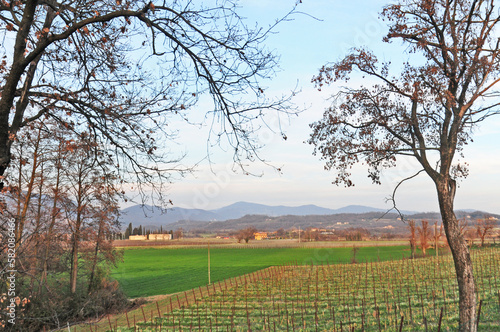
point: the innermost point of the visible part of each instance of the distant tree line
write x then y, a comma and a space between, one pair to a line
61, 199
142, 231
426, 236
306, 235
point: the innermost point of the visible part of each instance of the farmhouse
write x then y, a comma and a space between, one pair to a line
260, 235
160, 237
138, 237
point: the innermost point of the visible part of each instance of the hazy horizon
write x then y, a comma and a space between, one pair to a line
323, 34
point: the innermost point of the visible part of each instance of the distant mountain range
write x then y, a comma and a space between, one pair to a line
243, 214
154, 216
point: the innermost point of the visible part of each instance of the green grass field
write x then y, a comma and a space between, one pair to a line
400, 295
155, 271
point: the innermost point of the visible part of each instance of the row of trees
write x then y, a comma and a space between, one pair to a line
483, 228
63, 196
426, 236
423, 235
140, 231
306, 235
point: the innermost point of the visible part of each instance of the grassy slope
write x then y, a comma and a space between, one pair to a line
153, 271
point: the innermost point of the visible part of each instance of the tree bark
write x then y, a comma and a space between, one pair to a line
461, 257
11, 82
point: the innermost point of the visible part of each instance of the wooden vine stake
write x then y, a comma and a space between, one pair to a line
128, 322
479, 313
110, 326
440, 318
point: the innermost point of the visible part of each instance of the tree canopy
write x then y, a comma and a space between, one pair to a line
122, 70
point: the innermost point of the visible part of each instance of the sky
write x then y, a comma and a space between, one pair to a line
322, 31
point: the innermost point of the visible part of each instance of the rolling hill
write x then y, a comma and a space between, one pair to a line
154, 216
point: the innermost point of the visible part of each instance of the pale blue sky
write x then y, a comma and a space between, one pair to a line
305, 44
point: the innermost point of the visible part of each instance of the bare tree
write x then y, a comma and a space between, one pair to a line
484, 227
56, 192
246, 234
437, 236
62, 198
424, 234
426, 111
239, 236
126, 69
413, 237
105, 222
281, 233
470, 235
179, 233
115, 74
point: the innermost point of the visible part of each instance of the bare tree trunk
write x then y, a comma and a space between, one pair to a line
22, 214
413, 239
35, 267
76, 233
96, 253
53, 217
461, 258
74, 255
